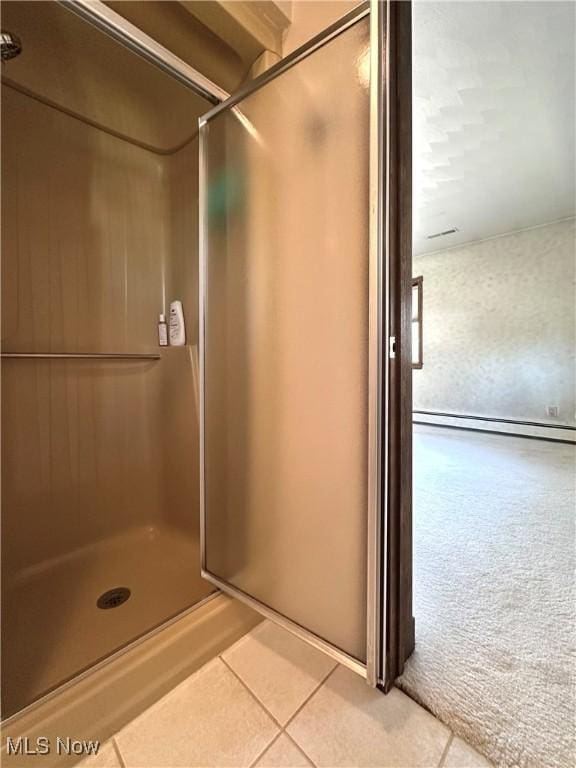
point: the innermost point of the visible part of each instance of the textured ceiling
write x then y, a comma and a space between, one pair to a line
494, 118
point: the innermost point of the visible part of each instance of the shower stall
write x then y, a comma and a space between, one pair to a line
99, 423
130, 181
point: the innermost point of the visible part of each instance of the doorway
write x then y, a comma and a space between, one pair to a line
493, 375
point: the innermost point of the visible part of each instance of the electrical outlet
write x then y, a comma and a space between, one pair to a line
552, 411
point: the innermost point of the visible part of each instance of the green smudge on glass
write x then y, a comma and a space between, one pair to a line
224, 195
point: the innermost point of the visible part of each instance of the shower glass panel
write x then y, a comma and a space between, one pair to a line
100, 485
286, 342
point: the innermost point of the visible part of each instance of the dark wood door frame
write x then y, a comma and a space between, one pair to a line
398, 586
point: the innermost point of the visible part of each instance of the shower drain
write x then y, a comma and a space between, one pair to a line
113, 597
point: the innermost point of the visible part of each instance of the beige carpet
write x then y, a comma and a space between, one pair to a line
495, 595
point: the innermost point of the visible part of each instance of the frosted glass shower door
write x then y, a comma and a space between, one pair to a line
285, 184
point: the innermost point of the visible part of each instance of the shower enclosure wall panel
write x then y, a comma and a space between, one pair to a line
74, 66
83, 246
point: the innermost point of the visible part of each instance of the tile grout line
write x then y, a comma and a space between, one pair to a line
252, 694
118, 753
301, 707
261, 706
266, 748
446, 748
299, 748
290, 719
307, 699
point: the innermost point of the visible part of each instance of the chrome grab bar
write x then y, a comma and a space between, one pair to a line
81, 356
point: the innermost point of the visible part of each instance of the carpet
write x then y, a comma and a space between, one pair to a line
494, 593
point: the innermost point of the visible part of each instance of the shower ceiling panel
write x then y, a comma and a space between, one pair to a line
72, 65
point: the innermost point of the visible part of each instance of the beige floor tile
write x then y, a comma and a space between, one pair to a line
281, 670
346, 723
106, 758
283, 754
209, 720
461, 755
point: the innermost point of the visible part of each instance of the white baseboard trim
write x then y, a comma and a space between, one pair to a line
478, 424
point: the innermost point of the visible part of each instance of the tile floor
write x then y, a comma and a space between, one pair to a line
271, 701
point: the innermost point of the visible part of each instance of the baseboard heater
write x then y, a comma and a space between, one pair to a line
536, 430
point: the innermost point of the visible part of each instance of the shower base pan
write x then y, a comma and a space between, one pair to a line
98, 703
65, 615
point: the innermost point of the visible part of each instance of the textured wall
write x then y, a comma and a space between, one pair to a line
499, 326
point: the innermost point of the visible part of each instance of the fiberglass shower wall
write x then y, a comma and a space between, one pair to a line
99, 457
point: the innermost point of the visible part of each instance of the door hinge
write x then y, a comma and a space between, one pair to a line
392, 346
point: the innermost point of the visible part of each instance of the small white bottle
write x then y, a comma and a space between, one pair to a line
162, 331
177, 329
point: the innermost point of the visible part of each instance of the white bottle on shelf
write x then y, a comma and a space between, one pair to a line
177, 329
162, 331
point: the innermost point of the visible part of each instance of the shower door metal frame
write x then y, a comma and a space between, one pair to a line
116, 26
382, 347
